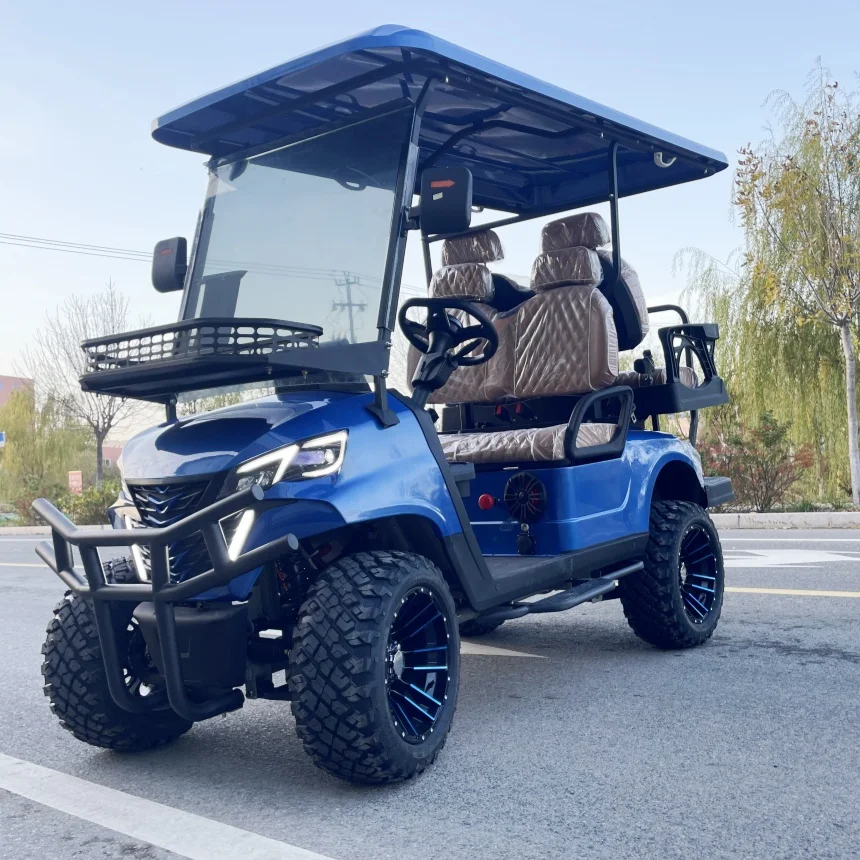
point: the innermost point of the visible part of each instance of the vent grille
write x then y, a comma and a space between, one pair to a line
161, 505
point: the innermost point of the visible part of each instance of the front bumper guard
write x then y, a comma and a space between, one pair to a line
160, 591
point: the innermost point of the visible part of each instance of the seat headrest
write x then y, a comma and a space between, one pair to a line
588, 229
472, 281
483, 247
627, 300
566, 267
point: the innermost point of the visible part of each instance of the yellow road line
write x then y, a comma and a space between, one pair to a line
800, 592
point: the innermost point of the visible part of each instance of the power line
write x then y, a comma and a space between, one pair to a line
273, 270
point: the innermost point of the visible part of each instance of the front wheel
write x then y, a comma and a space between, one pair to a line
76, 684
375, 667
676, 600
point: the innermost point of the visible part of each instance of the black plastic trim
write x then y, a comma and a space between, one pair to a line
719, 491
463, 550
541, 572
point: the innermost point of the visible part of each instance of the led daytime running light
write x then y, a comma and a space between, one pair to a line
283, 456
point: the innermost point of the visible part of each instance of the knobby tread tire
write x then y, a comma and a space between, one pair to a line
651, 598
338, 661
76, 685
476, 627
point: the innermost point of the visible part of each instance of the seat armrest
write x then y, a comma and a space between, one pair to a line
615, 446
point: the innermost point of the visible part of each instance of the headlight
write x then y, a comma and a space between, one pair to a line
315, 458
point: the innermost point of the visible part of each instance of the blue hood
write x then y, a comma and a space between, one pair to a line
216, 441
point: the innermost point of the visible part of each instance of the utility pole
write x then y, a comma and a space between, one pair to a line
351, 307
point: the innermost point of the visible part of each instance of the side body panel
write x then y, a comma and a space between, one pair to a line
587, 505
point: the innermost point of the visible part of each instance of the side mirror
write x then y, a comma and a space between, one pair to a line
169, 265
446, 200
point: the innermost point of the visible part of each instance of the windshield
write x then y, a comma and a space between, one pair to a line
301, 233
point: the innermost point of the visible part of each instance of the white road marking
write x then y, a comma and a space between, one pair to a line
21, 564
478, 648
798, 592
183, 833
727, 539
760, 558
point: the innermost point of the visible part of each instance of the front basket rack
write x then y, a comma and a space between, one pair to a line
156, 363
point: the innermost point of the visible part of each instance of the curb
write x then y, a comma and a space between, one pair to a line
806, 520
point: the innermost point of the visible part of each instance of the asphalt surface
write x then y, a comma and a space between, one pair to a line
597, 747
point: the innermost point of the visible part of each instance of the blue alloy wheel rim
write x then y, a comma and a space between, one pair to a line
417, 665
698, 574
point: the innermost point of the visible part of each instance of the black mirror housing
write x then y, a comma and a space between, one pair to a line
446, 200
169, 264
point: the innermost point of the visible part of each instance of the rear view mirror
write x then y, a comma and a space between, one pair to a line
446, 200
169, 265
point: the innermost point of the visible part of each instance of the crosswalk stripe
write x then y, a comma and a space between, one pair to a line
183, 833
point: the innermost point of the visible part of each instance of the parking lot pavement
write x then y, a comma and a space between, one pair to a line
598, 746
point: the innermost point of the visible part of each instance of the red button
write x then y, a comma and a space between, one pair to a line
486, 501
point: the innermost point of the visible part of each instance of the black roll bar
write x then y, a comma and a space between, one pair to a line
92, 585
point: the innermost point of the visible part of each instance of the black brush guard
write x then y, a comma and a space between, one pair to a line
160, 591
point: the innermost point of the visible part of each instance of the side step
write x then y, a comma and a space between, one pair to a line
581, 593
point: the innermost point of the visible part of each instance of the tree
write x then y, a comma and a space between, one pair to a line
772, 361
40, 450
56, 362
799, 197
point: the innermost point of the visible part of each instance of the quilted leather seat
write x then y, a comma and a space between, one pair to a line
525, 445
562, 337
559, 340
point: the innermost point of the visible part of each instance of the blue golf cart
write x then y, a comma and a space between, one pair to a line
328, 542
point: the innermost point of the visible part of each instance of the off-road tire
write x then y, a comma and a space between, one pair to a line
338, 665
652, 599
476, 627
75, 681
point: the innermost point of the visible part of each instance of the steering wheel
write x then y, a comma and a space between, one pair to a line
442, 332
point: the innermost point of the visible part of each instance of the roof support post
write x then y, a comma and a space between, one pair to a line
613, 211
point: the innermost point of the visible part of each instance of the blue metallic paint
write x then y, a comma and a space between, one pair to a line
587, 505
392, 472
387, 471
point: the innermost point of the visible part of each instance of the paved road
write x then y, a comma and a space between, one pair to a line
597, 746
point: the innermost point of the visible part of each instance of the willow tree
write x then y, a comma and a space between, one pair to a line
772, 361
789, 306
799, 197
41, 447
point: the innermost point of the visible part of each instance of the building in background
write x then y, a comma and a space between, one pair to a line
9, 384
110, 454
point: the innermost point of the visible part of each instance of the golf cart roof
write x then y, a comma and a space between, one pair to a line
532, 147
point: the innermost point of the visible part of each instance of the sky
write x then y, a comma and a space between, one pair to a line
80, 84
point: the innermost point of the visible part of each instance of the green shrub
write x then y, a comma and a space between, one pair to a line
89, 508
761, 461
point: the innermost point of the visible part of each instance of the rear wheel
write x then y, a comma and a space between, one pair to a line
375, 667
676, 600
75, 681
